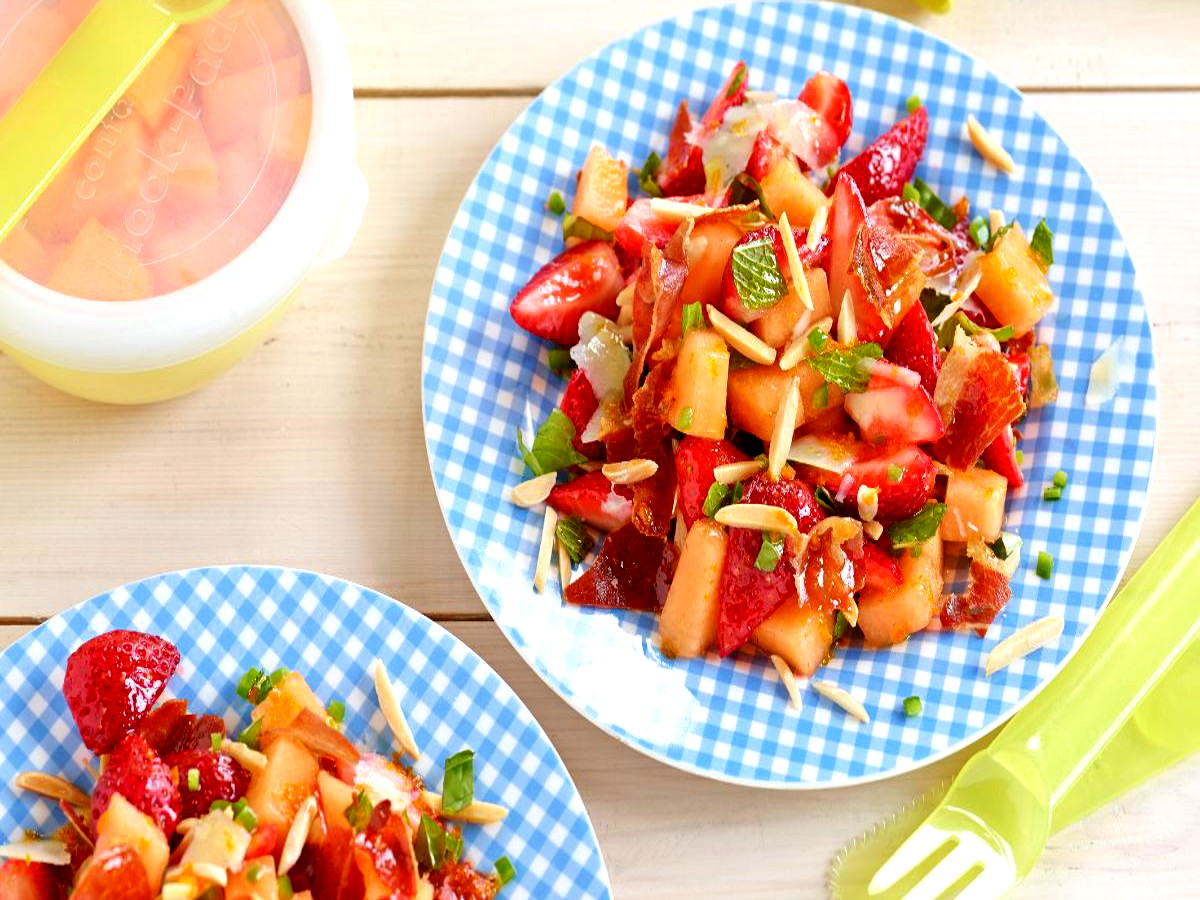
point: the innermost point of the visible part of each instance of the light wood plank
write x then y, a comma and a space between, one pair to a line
311, 453
480, 44
656, 825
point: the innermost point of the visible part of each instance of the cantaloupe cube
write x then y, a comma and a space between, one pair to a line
1012, 283
801, 635
708, 252
195, 180
97, 267
151, 93
123, 824
275, 793
252, 34
974, 505
755, 393
888, 615
698, 385
787, 189
286, 131
335, 796
825, 418
688, 623
285, 702
240, 165
233, 104
603, 190
776, 325
29, 256
264, 885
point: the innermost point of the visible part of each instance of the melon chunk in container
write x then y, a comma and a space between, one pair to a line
173, 239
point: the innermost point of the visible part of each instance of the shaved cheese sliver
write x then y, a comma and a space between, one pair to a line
1109, 370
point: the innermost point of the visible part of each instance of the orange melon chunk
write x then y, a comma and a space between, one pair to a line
28, 255
152, 93
234, 104
286, 133
97, 267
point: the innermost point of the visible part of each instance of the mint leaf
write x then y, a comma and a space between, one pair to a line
934, 205
1041, 243
979, 231
756, 275
579, 227
647, 176
553, 446
769, 553
1000, 232
745, 188
693, 316
919, 528
843, 367
717, 495
934, 302
575, 538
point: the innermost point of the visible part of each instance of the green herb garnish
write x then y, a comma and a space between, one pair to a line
556, 204
717, 495
978, 230
214, 741
1052, 493
193, 780
1060, 479
745, 188
692, 316
824, 498
244, 815
249, 737
756, 276
769, 553
575, 538
1006, 545
429, 843
1042, 244
817, 339
647, 175
358, 813
910, 193
684, 422
458, 784
996, 235
919, 528
894, 474
559, 360
739, 78
336, 710
284, 887
574, 226
934, 302
820, 397
254, 873
553, 446
840, 626
935, 205
505, 871
1045, 564
912, 706
844, 367
913, 103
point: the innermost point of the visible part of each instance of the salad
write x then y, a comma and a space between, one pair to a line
793, 389
289, 808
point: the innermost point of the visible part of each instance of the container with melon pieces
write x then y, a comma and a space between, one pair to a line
174, 238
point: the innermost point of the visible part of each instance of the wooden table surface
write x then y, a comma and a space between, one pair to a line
311, 453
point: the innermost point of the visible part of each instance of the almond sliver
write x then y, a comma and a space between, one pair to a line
52, 853
630, 471
816, 228
788, 677
477, 813
842, 698
758, 517
545, 548
534, 491
795, 266
297, 835
249, 758
732, 473
741, 340
54, 787
989, 147
1023, 642
392, 713
786, 418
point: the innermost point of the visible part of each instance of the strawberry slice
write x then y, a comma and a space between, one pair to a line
883, 166
137, 773
731, 94
875, 568
914, 346
583, 278
899, 499
221, 777
895, 409
731, 302
682, 171
579, 403
695, 459
641, 225
631, 571
748, 594
115, 874
592, 498
847, 217
20, 880
978, 397
113, 680
1001, 457
828, 95
170, 728
768, 149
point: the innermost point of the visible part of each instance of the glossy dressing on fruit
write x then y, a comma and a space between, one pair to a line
184, 172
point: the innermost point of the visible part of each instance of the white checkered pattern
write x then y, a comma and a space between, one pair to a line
483, 377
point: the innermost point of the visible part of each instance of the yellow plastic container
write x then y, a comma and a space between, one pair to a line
174, 239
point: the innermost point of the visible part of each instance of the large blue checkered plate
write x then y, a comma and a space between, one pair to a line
226, 619
483, 378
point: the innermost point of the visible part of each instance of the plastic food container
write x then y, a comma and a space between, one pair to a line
174, 239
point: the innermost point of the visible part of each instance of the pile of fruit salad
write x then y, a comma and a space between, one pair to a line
288, 809
791, 388
185, 171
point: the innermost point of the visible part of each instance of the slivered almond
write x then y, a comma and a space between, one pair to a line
178, 890
1023, 642
740, 339
249, 758
631, 471
785, 429
385, 692
625, 332
534, 491
873, 530
52, 853
210, 872
54, 787
788, 677
186, 825
989, 147
758, 517
995, 220
968, 280
680, 530
625, 315
793, 353
564, 565
847, 323
297, 835
842, 698
851, 612
816, 228
795, 267
868, 502
477, 813
542, 570
732, 473
678, 211
625, 298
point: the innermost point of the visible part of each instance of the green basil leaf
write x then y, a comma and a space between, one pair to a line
553, 446
647, 175
769, 553
458, 782
934, 205
1000, 232
745, 188
717, 495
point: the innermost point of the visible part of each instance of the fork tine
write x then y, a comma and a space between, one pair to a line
981, 887
946, 874
916, 849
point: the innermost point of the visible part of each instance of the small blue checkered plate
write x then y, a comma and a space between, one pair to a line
483, 378
225, 620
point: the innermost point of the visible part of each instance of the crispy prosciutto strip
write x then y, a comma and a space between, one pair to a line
941, 250
987, 593
978, 397
632, 571
655, 297
889, 268
654, 497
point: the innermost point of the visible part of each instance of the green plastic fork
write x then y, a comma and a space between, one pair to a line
1126, 707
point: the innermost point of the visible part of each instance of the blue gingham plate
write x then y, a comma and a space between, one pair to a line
483, 378
226, 619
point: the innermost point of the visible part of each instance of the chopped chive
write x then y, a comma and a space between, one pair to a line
913, 103
840, 626
458, 782
559, 360
254, 873
1060, 479
1045, 564
219, 804
556, 204
769, 553
248, 681
336, 710
247, 819
1020, 457
1006, 545
278, 675
894, 474
820, 397
912, 706
692, 316
910, 193
1052, 493
684, 422
978, 230
817, 339
285, 887
249, 737
505, 871
193, 780
358, 813
214, 741
717, 495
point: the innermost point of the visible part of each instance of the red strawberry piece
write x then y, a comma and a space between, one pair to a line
847, 217
731, 94
161, 723
169, 728
221, 777
885, 164
768, 150
895, 409
978, 397
876, 568
113, 680
20, 880
682, 171
749, 595
695, 459
731, 302
914, 346
631, 571
1001, 457
116, 874
262, 841
578, 404
1022, 364
583, 278
592, 498
828, 95
137, 773
641, 225
897, 499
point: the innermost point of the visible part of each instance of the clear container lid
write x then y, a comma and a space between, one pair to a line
184, 172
